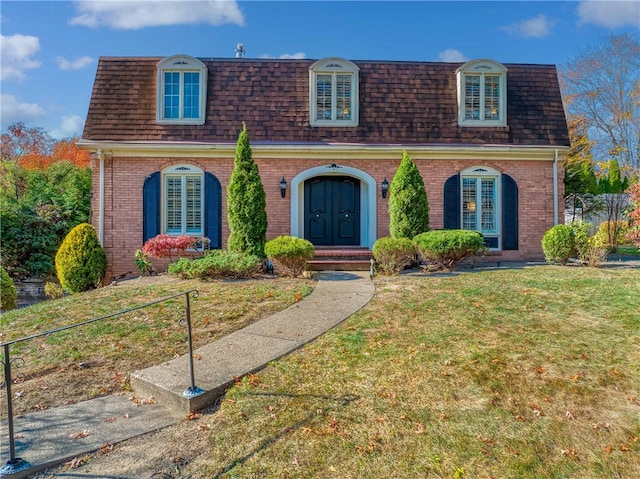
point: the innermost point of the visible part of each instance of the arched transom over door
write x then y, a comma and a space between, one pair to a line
332, 210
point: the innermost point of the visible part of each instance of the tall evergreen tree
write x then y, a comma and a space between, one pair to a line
246, 203
408, 204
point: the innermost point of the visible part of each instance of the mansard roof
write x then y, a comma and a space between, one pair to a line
400, 102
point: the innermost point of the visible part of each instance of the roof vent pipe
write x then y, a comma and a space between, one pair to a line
240, 50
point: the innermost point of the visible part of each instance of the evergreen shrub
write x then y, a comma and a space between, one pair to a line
246, 202
289, 254
8, 291
217, 264
80, 261
446, 248
558, 244
408, 204
392, 255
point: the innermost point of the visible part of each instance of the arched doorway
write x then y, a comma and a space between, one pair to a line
332, 210
363, 187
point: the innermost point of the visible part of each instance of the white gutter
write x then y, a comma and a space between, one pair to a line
555, 189
101, 200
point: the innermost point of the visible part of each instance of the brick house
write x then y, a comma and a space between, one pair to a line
327, 135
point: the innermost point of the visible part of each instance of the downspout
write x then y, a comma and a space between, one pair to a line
555, 188
101, 200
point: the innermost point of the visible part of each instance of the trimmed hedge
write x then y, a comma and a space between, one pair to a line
392, 255
217, 264
445, 248
558, 244
289, 254
80, 261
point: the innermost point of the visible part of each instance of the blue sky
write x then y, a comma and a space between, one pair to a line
50, 49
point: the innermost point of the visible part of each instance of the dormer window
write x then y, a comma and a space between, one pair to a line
181, 90
333, 87
482, 93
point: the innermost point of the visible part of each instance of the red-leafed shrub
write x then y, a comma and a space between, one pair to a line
165, 246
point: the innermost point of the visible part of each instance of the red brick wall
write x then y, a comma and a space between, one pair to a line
124, 179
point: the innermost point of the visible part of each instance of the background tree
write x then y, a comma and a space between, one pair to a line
246, 202
634, 214
37, 210
580, 181
408, 205
602, 85
28, 147
612, 188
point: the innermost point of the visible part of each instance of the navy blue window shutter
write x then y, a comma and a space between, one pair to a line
509, 213
212, 210
452, 203
151, 206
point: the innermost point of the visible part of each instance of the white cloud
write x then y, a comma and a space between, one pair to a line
71, 126
285, 56
77, 64
609, 14
294, 56
536, 27
16, 51
12, 111
451, 55
133, 15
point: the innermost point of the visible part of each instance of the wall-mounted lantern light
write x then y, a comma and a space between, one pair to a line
283, 187
384, 187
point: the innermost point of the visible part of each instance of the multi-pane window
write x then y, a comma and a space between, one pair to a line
183, 202
333, 93
181, 90
480, 198
482, 94
181, 95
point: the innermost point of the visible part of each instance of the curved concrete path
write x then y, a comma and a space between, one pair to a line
51, 437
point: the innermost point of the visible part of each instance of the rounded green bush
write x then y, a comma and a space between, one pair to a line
289, 254
558, 244
217, 264
8, 291
445, 248
392, 255
80, 261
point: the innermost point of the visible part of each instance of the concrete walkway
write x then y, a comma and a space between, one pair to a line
51, 437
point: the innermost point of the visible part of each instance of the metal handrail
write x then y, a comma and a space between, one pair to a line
16, 464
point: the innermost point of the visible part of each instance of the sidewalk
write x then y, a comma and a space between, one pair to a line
51, 437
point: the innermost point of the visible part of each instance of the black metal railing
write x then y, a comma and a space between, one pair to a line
16, 464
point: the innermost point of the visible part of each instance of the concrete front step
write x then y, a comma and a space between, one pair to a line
340, 258
338, 265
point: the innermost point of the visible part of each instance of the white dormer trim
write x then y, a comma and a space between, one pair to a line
336, 115
481, 72
181, 64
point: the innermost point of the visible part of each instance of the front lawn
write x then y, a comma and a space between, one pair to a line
527, 373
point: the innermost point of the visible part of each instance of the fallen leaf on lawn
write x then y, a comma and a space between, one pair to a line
79, 435
74, 463
203, 427
298, 296
572, 452
105, 448
607, 449
623, 447
568, 415
192, 416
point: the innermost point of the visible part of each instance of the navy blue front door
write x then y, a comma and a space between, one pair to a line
332, 210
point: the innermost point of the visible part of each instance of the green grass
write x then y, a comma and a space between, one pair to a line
530, 373
628, 249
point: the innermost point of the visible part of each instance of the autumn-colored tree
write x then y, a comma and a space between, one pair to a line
67, 150
27, 147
